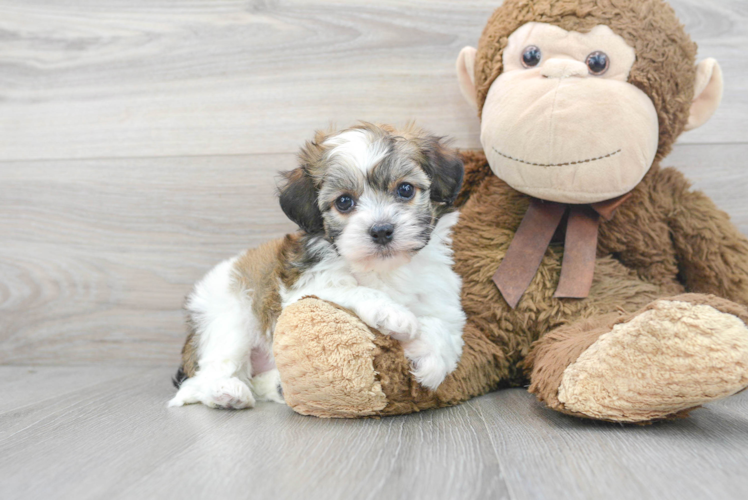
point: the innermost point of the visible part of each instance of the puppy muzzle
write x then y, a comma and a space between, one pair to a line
381, 234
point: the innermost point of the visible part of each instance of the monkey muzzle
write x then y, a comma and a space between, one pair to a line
562, 122
569, 140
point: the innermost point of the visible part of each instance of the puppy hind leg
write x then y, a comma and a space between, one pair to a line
265, 382
267, 386
226, 333
222, 392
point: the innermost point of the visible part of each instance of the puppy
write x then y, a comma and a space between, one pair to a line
374, 206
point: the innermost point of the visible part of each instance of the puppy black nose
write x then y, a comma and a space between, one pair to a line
382, 233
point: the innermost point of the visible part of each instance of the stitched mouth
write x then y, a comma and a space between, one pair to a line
577, 162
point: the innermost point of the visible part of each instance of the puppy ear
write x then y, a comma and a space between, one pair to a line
298, 200
445, 169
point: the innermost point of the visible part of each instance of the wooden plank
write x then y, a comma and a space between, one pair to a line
43, 403
118, 439
98, 255
86, 437
30, 385
717, 27
122, 78
557, 456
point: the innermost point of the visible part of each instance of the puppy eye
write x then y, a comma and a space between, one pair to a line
598, 63
344, 203
406, 191
531, 56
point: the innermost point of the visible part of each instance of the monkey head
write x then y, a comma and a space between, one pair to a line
578, 98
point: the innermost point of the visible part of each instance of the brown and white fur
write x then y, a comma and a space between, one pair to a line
387, 257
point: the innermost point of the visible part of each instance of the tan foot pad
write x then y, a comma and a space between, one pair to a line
325, 358
673, 356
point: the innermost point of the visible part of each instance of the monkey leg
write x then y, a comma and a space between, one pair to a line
333, 365
668, 358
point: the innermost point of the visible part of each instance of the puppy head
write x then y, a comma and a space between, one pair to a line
373, 191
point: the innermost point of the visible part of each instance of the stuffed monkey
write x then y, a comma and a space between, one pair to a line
589, 272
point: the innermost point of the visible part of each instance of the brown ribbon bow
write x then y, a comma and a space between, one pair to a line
533, 236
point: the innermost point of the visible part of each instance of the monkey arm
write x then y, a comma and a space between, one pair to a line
476, 171
712, 253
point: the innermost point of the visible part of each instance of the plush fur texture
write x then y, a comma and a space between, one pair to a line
692, 347
689, 354
348, 388
663, 241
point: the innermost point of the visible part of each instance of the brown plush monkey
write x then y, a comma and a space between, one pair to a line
589, 271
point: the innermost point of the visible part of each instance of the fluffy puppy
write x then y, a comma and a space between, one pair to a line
374, 206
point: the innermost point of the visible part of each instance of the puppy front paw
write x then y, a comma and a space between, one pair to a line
429, 369
399, 323
430, 364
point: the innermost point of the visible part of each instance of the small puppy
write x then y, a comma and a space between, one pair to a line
374, 206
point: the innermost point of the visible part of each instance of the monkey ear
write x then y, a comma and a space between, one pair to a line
445, 169
298, 200
466, 75
707, 93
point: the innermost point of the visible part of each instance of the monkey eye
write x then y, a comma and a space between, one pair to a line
531, 56
344, 203
598, 63
406, 191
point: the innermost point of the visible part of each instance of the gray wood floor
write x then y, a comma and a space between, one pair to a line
139, 145
80, 433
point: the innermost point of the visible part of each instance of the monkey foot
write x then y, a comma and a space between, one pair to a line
671, 357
